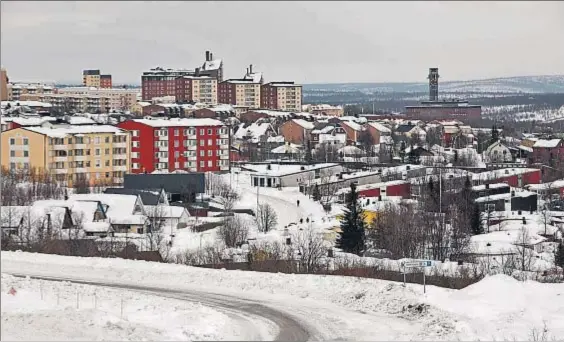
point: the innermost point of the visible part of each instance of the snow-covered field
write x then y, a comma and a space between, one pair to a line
497, 308
41, 310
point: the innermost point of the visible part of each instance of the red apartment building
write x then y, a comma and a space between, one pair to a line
285, 96
181, 83
196, 145
105, 81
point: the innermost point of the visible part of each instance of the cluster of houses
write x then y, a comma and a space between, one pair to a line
147, 204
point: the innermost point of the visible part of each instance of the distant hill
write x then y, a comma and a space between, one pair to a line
519, 84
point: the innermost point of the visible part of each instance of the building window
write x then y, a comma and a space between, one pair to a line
135, 165
176, 143
209, 131
13, 153
176, 132
210, 142
108, 162
25, 141
202, 131
210, 163
202, 142
12, 141
107, 151
202, 153
97, 151
98, 163
136, 144
202, 163
107, 140
26, 153
210, 153
97, 140
135, 133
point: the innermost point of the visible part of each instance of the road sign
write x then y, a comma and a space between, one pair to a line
414, 264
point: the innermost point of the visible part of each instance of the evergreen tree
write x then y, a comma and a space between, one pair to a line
559, 255
495, 134
352, 238
476, 221
316, 193
308, 157
455, 156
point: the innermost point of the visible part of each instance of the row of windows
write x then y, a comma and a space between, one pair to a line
85, 140
97, 163
81, 152
191, 131
203, 153
13, 153
188, 164
191, 142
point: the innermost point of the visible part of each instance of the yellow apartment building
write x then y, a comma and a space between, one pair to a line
98, 154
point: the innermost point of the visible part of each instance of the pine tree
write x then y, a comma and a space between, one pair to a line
316, 193
559, 255
352, 238
308, 156
495, 134
476, 221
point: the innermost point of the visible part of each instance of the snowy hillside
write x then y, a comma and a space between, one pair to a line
520, 84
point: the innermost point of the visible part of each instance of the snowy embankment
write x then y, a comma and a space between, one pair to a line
499, 307
49, 310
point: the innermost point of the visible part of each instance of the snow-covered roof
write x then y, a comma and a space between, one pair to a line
276, 139
255, 77
355, 126
117, 205
348, 150
283, 170
26, 104
37, 121
491, 186
80, 120
165, 211
254, 130
96, 227
547, 143
372, 186
61, 132
381, 128
495, 174
504, 196
179, 122
291, 148
212, 65
305, 124
557, 184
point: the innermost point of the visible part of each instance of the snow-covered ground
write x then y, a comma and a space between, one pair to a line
41, 310
497, 308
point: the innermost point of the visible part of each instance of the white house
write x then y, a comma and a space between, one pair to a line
279, 175
498, 152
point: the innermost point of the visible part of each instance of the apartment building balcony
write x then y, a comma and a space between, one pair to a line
193, 169
61, 147
192, 148
224, 156
223, 147
224, 168
80, 170
191, 137
192, 158
61, 159
163, 159
60, 171
120, 168
163, 148
163, 137
19, 147
224, 136
120, 156
118, 180
79, 158
120, 145
79, 146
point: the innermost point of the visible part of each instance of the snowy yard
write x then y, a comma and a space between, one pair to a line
498, 307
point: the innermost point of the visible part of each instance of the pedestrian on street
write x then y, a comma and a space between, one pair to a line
298, 202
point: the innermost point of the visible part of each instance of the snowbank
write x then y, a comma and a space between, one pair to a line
45, 310
451, 314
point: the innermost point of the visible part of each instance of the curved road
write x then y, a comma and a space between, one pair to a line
246, 312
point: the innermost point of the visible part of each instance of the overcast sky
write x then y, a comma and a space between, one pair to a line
309, 42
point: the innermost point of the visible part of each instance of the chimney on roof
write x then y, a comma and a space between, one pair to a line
211, 56
197, 72
251, 68
247, 71
207, 56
